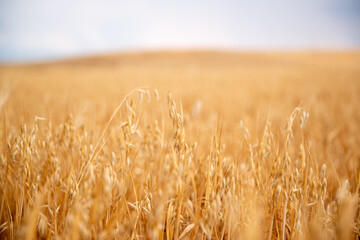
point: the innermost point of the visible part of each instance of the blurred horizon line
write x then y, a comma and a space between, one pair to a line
53, 58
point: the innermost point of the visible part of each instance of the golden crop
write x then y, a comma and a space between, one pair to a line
182, 145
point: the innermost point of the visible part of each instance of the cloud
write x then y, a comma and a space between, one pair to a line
62, 28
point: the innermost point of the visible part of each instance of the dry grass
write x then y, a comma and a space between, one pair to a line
250, 146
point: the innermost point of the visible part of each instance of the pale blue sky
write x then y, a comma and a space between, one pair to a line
42, 30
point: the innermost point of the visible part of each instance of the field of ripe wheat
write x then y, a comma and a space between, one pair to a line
181, 145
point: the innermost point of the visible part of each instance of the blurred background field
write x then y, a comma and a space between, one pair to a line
237, 84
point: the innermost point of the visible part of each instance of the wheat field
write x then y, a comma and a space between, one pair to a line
182, 145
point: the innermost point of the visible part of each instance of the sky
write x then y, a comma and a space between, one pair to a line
35, 30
